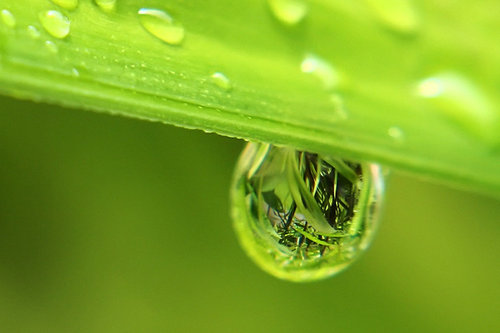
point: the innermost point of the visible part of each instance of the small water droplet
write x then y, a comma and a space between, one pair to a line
221, 81
8, 18
55, 23
339, 111
321, 69
289, 12
463, 102
429, 88
66, 4
106, 5
51, 46
396, 134
161, 25
302, 216
33, 32
397, 15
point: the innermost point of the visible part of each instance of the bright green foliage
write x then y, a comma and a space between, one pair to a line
413, 86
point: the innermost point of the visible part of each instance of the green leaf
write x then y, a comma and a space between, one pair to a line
412, 85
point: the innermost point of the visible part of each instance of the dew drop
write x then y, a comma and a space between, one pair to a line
161, 25
302, 216
460, 100
66, 4
8, 18
221, 81
51, 46
396, 134
55, 23
289, 12
397, 15
106, 5
33, 32
339, 111
321, 69
431, 87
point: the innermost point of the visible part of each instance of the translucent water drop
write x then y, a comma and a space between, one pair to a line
55, 23
106, 5
51, 46
302, 216
161, 25
66, 4
33, 31
339, 112
222, 81
8, 18
396, 134
321, 69
397, 15
289, 12
462, 101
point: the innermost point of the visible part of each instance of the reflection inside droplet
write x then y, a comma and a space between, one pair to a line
301, 216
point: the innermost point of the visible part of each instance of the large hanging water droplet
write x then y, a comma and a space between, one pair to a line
106, 5
303, 216
463, 102
66, 4
398, 15
8, 18
161, 25
55, 23
289, 12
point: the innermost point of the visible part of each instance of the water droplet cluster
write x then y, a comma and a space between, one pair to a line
303, 216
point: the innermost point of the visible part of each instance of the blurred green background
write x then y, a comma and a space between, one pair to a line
110, 224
